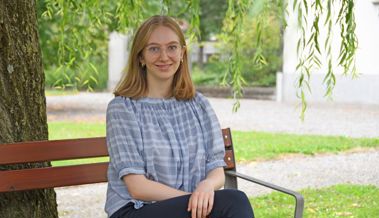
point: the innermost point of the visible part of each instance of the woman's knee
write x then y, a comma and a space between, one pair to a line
235, 203
233, 195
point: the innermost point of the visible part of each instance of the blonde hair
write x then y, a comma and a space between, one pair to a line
133, 84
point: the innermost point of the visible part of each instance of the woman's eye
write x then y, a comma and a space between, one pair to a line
172, 47
154, 49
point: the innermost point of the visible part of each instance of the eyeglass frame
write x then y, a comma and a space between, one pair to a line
156, 54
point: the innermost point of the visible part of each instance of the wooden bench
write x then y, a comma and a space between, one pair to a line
49, 177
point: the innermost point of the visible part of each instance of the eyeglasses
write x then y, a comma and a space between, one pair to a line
172, 50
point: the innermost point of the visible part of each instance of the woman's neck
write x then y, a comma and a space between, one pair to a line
159, 90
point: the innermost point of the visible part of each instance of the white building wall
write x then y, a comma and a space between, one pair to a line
117, 58
364, 89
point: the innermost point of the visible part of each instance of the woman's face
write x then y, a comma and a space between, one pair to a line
162, 54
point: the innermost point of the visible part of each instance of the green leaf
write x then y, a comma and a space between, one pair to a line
94, 79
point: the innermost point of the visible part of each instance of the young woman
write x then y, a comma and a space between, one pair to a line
165, 144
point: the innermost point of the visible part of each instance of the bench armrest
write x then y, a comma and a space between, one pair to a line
298, 197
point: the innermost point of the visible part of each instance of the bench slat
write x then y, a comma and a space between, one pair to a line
27, 152
227, 136
229, 160
50, 177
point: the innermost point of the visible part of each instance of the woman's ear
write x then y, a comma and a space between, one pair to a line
142, 61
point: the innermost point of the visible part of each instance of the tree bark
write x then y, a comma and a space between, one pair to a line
22, 101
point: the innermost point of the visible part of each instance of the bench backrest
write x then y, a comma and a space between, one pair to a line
26, 178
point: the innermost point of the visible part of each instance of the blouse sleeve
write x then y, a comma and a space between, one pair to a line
215, 150
124, 138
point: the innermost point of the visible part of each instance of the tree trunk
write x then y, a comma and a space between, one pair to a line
200, 60
22, 101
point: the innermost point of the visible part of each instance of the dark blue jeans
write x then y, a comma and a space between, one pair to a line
228, 203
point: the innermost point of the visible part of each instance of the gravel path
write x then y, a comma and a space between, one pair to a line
298, 172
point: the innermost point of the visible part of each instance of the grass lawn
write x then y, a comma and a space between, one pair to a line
70, 130
59, 92
262, 145
249, 146
335, 201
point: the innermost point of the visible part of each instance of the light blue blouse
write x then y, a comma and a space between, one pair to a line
170, 141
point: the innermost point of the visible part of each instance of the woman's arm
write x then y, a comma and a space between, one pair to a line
216, 177
141, 188
201, 201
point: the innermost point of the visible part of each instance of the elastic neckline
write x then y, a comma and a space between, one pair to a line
156, 100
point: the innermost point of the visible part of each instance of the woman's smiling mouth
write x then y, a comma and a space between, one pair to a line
163, 66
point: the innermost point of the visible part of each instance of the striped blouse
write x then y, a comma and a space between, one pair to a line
170, 141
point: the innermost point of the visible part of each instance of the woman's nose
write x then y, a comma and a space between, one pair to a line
163, 55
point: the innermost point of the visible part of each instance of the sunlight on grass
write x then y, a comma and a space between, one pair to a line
60, 92
70, 130
262, 146
335, 201
79, 161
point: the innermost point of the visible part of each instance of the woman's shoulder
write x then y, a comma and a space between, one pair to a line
201, 99
116, 101
119, 102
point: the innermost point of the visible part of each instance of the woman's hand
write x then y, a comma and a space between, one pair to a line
201, 201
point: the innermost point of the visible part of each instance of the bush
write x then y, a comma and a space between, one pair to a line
260, 75
84, 77
212, 73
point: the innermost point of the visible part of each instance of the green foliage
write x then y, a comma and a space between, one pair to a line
211, 17
212, 73
310, 47
70, 60
234, 19
73, 32
86, 76
260, 57
194, 30
335, 201
74, 36
261, 40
